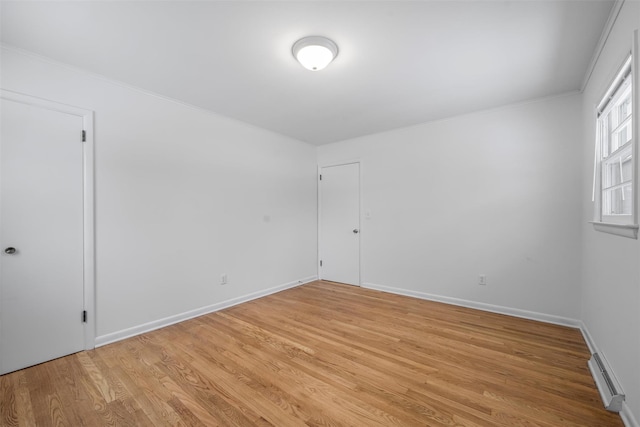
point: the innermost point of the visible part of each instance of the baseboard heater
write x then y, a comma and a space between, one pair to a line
610, 390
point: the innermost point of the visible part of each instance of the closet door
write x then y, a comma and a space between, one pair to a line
41, 235
340, 223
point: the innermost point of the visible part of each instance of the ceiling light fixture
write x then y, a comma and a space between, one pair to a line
314, 52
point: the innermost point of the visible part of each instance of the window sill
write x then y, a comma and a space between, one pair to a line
624, 230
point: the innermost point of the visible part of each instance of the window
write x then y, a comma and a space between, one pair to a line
614, 123
615, 174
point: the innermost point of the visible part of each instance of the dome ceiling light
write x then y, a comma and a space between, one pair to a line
314, 52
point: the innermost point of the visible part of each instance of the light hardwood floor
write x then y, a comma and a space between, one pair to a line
321, 354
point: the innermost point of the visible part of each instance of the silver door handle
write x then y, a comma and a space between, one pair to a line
10, 251
356, 231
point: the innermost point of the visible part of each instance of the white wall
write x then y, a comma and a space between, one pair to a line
495, 193
611, 264
182, 196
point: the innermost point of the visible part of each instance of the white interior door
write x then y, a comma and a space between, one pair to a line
41, 235
340, 223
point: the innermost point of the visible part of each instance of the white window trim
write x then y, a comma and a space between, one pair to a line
624, 230
628, 226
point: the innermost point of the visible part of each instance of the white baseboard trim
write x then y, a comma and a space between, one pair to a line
161, 323
593, 348
525, 314
627, 416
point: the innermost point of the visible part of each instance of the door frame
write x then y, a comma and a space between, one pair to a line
319, 218
88, 194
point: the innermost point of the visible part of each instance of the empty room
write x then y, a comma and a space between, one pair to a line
320, 213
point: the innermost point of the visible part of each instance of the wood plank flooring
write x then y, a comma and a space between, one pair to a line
322, 354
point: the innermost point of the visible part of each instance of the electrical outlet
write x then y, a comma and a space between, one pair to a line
482, 279
223, 279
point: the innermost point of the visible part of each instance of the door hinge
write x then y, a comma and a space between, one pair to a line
320, 177
84, 316
84, 136
320, 263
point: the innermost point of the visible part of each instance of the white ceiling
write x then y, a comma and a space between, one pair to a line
400, 62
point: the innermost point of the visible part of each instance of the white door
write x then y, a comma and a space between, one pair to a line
340, 223
41, 235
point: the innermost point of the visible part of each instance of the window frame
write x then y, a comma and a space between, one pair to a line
624, 224
608, 158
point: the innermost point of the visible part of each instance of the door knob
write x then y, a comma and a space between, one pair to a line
356, 231
10, 251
